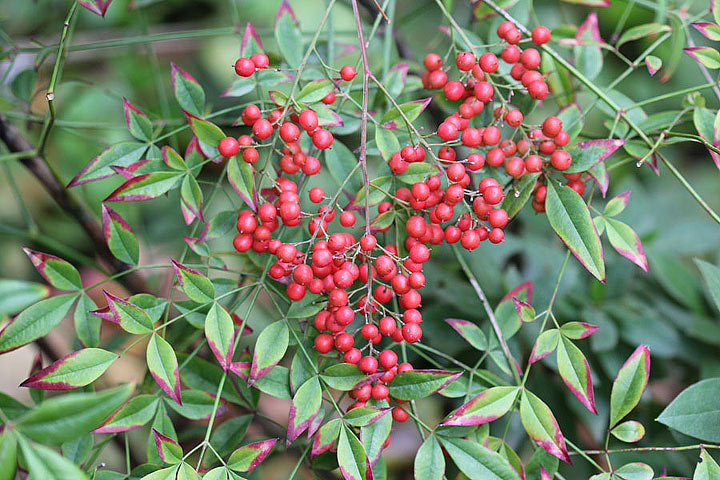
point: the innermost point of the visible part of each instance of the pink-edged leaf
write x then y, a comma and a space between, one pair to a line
346, 376
238, 321
241, 369
119, 155
544, 345
523, 291
119, 236
484, 407
715, 9
364, 416
145, 187
374, 435
168, 449
105, 313
575, 372
477, 461
589, 30
199, 405
316, 423
344, 49
136, 413
241, 176
288, 35
397, 77
315, 91
250, 41
173, 159
98, 7
544, 474
707, 124
629, 432
130, 317
578, 330
410, 110
58, 272
135, 168
285, 8
305, 407
246, 458
629, 384
524, 310
642, 31
599, 173
205, 131
325, 437
188, 91
192, 197
587, 154
626, 242
35, 321
540, 424
270, 348
416, 384
352, 459
710, 30
187, 214
570, 218
653, 64
137, 122
617, 204
220, 334
470, 332
706, 56
196, 286
75, 370
163, 366
328, 117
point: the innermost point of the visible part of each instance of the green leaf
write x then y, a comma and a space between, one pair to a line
695, 411
629, 432
188, 92
306, 307
8, 456
119, 236
575, 372
68, 416
364, 416
186, 472
634, 471
516, 199
340, 162
386, 142
169, 473
138, 123
411, 111
416, 384
192, 196
250, 456
416, 172
707, 468
711, 275
207, 132
58, 272
626, 242
560, 84
138, 411
470, 332
616, 205
163, 366
641, 31
35, 321
325, 437
707, 56
220, 334
478, 462
270, 348
23, 84
196, 286
429, 460
46, 464
343, 376
197, 405
78, 450
200, 374
229, 434
130, 317
629, 384
653, 64
17, 295
587, 154
288, 36
168, 448
72, 371
351, 455
570, 218
541, 426
145, 187
163, 424
374, 435
305, 407
484, 407
11, 407
679, 281
315, 91
119, 155
241, 177
588, 55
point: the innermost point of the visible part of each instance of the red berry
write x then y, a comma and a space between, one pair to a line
347, 219
387, 326
530, 58
496, 235
368, 242
437, 79
229, 146
498, 218
411, 332
540, 35
262, 129
352, 356
447, 131
514, 167
329, 98
399, 415
489, 62
510, 54
465, 61
260, 60
322, 138
514, 118
538, 90
380, 392
347, 72
368, 364
324, 343
316, 194
432, 61
560, 159
289, 132
513, 35
552, 126
493, 195
533, 163
454, 90
244, 67
308, 120
503, 28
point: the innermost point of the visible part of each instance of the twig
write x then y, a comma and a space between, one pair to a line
16, 142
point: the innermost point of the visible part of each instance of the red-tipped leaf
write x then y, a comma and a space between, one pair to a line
246, 458
75, 370
58, 272
541, 426
119, 236
163, 366
629, 384
575, 372
484, 407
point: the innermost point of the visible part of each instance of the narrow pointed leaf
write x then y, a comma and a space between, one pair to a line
351, 456
470, 332
709, 30
119, 155
138, 412
541, 426
374, 435
589, 153
35, 321
187, 472
326, 437
520, 194
315, 91
429, 460
707, 468
17, 295
241, 177
119, 236
8, 456
578, 330
98, 7
525, 311
305, 407
288, 35
363, 416
629, 432
626, 242
270, 348
72, 371
695, 411
629, 384
196, 286
570, 218
173, 159
544, 345
411, 110
205, 131
192, 196
47, 464
477, 461
575, 372
343, 376
188, 92
484, 407
198, 405
386, 142
707, 56
58, 272
711, 275
169, 450
653, 64
163, 365
250, 41
220, 334
246, 458
145, 187
416, 384
138, 123
68, 416
640, 31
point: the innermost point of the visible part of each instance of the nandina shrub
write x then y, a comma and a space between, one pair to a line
309, 262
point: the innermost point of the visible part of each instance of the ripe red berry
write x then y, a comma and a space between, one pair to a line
308, 120
530, 58
228, 147
538, 90
465, 61
260, 60
244, 67
447, 131
347, 72
324, 343
316, 194
493, 195
514, 118
513, 36
329, 98
437, 79
540, 35
514, 167
533, 163
510, 54
411, 332
552, 126
496, 235
262, 129
347, 219
352, 356
399, 415
560, 159
380, 392
488, 62
432, 61
322, 138
289, 132
368, 364
503, 28
387, 326
454, 90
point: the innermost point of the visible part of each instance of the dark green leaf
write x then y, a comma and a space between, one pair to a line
629, 384
695, 411
163, 366
35, 321
478, 462
416, 384
429, 460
